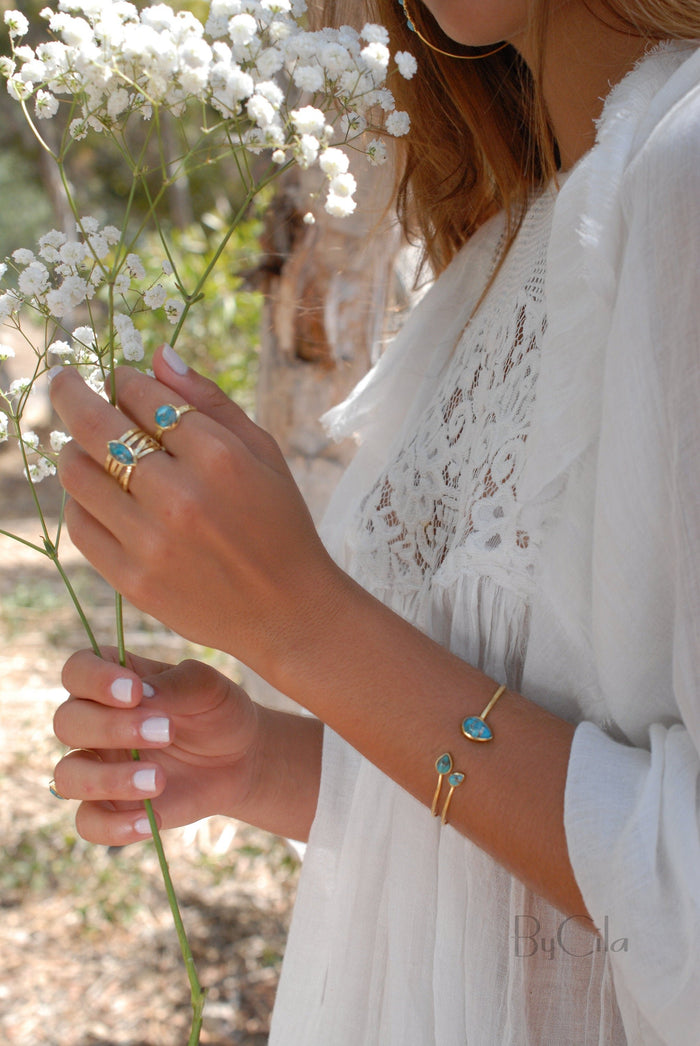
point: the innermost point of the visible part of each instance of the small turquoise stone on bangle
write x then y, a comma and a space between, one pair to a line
455, 779
120, 452
166, 416
444, 764
476, 729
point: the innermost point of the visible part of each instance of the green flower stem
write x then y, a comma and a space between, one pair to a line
197, 995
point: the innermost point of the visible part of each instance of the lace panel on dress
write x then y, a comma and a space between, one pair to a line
452, 490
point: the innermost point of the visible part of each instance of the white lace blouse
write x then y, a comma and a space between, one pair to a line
527, 491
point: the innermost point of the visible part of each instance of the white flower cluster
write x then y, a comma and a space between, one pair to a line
66, 274
113, 60
58, 278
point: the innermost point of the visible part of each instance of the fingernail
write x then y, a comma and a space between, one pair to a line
121, 690
51, 374
148, 690
156, 729
145, 780
142, 826
173, 360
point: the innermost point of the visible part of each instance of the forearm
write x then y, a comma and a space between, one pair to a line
285, 775
399, 698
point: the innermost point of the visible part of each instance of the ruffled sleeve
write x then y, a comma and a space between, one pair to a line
632, 805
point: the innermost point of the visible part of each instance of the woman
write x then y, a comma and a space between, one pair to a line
517, 533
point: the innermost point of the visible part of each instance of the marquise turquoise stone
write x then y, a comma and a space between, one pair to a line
476, 729
444, 764
166, 416
120, 452
455, 779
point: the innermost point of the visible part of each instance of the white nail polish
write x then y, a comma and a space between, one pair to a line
173, 360
121, 690
145, 780
148, 690
142, 826
156, 729
51, 374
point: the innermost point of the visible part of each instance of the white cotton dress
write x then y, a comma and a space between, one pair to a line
527, 491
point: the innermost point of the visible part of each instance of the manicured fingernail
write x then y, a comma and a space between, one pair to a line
51, 374
121, 690
148, 690
145, 780
142, 826
173, 360
156, 729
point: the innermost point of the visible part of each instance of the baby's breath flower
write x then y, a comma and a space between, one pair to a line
174, 308
23, 256
376, 152
308, 78
406, 63
6, 353
3, 427
135, 267
306, 150
30, 440
308, 120
398, 124
34, 280
61, 349
16, 23
333, 161
84, 336
41, 470
9, 304
131, 340
45, 105
58, 439
155, 296
167, 267
19, 386
375, 34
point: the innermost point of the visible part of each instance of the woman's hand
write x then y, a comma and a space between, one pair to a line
198, 735
213, 537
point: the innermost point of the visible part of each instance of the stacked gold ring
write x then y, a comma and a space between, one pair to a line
124, 453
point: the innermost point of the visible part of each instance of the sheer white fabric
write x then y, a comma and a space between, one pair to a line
526, 491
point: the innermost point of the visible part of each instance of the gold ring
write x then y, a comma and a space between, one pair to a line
55, 792
168, 416
124, 453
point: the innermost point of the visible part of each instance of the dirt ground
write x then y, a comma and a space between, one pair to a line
88, 954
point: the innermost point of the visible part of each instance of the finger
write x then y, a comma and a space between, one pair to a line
96, 543
104, 680
100, 823
81, 723
208, 398
83, 775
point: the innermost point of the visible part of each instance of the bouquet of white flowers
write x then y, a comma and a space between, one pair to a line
267, 91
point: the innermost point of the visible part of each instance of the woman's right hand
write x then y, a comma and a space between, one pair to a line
197, 736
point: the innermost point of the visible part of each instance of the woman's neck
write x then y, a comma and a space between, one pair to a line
584, 58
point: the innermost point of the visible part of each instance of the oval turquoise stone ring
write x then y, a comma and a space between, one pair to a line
168, 416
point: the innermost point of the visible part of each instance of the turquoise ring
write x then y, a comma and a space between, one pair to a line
55, 792
168, 416
124, 453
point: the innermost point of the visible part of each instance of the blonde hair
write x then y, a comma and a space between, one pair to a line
480, 137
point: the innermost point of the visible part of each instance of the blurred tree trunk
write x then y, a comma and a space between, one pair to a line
330, 288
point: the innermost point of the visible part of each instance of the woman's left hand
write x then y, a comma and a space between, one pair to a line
213, 537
